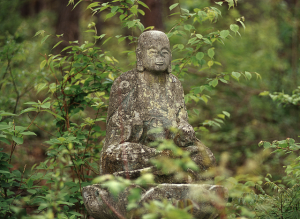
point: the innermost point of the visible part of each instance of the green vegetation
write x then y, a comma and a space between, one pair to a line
229, 57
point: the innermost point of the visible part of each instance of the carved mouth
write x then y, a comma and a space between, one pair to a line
159, 63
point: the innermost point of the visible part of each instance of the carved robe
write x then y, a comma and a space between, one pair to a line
142, 108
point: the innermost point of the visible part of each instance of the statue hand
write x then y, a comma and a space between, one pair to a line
186, 135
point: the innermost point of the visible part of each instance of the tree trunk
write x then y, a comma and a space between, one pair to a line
67, 22
153, 17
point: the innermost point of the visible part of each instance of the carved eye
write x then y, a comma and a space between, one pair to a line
165, 52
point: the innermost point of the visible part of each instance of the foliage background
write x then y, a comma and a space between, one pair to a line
269, 45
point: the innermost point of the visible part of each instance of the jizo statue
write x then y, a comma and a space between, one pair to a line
144, 104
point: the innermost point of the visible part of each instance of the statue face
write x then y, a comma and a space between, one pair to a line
156, 58
153, 52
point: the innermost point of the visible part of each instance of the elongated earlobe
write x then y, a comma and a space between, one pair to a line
139, 62
140, 68
170, 69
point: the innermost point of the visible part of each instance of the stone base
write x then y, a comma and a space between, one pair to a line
205, 199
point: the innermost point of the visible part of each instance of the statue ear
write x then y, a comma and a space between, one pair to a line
170, 65
170, 68
139, 62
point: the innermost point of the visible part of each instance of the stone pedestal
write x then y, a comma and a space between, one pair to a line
205, 199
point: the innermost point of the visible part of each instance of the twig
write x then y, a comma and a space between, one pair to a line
87, 141
50, 68
43, 129
8, 65
32, 120
16, 90
111, 207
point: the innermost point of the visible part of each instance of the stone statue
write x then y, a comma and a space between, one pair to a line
144, 104
147, 104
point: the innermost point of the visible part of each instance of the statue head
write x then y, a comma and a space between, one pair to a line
153, 52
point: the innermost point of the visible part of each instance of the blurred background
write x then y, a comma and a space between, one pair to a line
269, 45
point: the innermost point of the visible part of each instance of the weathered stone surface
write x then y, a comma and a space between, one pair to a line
145, 103
202, 197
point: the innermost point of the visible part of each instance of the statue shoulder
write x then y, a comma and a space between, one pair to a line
176, 82
125, 82
173, 78
120, 89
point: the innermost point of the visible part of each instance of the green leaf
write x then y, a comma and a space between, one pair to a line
109, 15
141, 12
134, 9
200, 55
180, 46
210, 63
264, 93
88, 31
76, 3
192, 40
94, 4
57, 44
267, 145
219, 120
224, 33
211, 53
43, 63
106, 40
234, 28
101, 36
143, 4
219, 3
18, 140
196, 111
242, 23
221, 116
4, 171
31, 103
44, 39
173, 6
68, 47
226, 113
236, 75
42, 206
65, 203
5, 140
27, 133
214, 82
75, 213
130, 24
188, 27
248, 75
39, 32
32, 191
6, 114
199, 36
31, 109
114, 9
207, 41
58, 116
46, 105
230, 3
121, 39
223, 80
41, 86
202, 15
